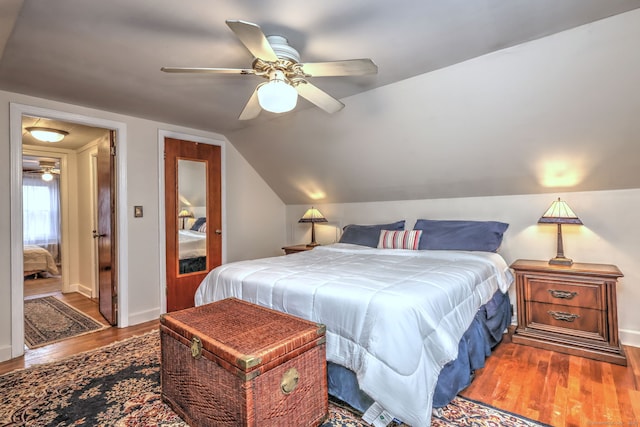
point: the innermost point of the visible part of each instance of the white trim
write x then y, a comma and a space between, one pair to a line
93, 167
17, 262
630, 337
80, 288
16, 111
162, 237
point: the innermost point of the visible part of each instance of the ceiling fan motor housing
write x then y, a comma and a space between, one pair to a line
44, 164
282, 49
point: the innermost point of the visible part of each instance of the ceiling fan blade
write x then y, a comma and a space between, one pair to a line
318, 97
253, 38
252, 109
238, 71
349, 67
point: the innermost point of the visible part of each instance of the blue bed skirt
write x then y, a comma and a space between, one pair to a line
485, 332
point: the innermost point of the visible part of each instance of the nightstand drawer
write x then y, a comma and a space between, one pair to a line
566, 319
565, 293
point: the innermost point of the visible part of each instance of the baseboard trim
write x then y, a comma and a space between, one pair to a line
81, 289
5, 353
629, 338
144, 316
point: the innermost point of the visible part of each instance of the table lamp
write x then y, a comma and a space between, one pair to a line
559, 213
313, 215
184, 214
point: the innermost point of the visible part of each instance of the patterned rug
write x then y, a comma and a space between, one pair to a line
47, 320
119, 385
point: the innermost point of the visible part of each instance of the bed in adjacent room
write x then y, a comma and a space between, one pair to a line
37, 260
397, 319
192, 248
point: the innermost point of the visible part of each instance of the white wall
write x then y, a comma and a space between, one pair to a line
247, 196
610, 234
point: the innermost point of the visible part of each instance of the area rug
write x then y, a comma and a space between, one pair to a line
119, 385
48, 320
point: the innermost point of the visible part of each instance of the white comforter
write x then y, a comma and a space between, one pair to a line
192, 244
394, 317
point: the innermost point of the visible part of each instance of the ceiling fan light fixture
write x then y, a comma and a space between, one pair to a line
47, 134
47, 176
277, 96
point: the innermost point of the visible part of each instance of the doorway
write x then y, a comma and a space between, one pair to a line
42, 197
59, 199
17, 113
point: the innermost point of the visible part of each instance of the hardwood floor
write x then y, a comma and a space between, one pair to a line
42, 286
79, 344
559, 389
546, 386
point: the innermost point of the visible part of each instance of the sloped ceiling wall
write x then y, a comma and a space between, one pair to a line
9, 10
555, 114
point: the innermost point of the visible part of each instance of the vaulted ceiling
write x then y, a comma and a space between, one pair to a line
470, 97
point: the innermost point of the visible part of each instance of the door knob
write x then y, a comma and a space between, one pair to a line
96, 235
218, 231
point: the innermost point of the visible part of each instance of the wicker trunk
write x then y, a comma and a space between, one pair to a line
233, 363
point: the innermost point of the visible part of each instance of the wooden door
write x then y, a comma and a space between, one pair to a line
187, 265
105, 233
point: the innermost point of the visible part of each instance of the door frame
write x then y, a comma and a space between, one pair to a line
16, 111
162, 246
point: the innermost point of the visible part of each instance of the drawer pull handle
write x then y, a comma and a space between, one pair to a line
565, 317
562, 294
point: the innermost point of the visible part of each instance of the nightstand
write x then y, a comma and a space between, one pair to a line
296, 248
570, 309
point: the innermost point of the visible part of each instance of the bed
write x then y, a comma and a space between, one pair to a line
396, 318
38, 260
192, 251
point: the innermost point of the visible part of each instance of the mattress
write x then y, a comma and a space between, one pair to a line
394, 317
37, 259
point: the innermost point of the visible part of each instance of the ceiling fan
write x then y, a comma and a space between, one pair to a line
47, 170
279, 63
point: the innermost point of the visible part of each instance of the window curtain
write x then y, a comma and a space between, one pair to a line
41, 213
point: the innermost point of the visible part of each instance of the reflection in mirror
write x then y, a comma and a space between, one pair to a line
192, 216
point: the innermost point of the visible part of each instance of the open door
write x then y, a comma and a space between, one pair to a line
193, 215
105, 234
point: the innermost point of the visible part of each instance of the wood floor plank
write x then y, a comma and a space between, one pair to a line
574, 404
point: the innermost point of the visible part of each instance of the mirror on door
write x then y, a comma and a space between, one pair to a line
192, 216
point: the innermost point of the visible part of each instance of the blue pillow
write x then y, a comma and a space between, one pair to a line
198, 223
460, 235
367, 235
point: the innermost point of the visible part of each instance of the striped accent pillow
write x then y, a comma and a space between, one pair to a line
203, 228
406, 239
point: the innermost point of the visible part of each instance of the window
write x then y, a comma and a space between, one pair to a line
41, 211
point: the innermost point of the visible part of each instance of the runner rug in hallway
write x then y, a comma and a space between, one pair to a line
119, 385
48, 320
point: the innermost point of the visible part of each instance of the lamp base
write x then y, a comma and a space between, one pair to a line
560, 261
